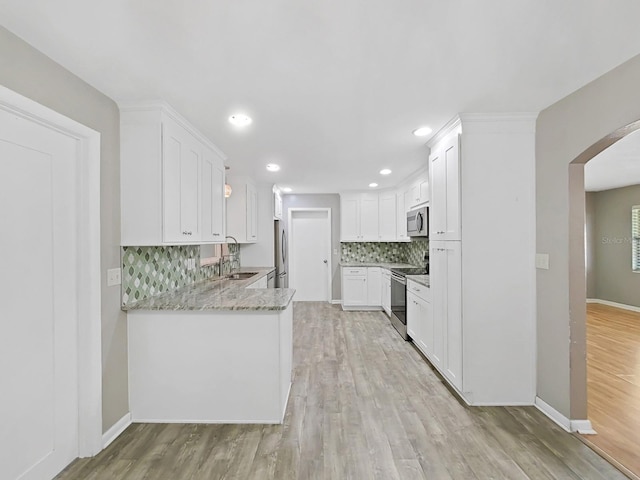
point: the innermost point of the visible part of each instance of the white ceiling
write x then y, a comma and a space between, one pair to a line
334, 87
615, 167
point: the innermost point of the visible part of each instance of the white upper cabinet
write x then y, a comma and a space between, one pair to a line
350, 218
171, 179
444, 209
242, 210
182, 157
417, 192
369, 217
401, 219
277, 203
359, 217
387, 217
213, 210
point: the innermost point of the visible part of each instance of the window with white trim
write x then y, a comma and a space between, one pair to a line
635, 238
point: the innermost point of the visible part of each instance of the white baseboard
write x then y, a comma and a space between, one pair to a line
614, 304
583, 427
336, 302
553, 414
114, 432
580, 426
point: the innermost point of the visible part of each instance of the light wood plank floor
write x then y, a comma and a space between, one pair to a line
613, 382
364, 405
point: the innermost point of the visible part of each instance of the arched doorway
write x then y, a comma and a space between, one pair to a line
577, 279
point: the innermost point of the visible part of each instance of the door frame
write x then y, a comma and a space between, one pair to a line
88, 294
291, 242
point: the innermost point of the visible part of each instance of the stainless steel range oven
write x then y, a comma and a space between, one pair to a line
399, 297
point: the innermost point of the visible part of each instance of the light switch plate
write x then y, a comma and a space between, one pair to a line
114, 277
542, 261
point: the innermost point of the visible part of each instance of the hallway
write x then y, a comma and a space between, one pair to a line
364, 405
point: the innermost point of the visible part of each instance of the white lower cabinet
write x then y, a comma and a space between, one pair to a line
361, 288
446, 284
262, 283
354, 286
386, 291
420, 317
374, 289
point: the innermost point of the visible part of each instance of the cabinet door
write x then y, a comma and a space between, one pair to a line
413, 318
349, 218
425, 337
438, 280
387, 217
252, 213
401, 219
446, 285
354, 290
374, 286
369, 218
213, 202
411, 197
453, 325
451, 154
386, 292
181, 158
438, 203
423, 189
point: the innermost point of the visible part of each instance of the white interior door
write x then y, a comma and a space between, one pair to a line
310, 254
38, 299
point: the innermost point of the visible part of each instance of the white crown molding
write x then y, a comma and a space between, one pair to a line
164, 107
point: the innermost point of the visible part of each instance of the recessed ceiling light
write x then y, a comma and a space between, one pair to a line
272, 167
240, 120
287, 189
422, 131
373, 185
385, 171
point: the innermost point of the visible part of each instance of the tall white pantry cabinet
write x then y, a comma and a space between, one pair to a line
482, 256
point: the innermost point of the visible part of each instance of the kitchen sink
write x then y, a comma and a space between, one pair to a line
241, 275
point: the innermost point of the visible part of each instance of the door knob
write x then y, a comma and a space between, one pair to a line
324, 261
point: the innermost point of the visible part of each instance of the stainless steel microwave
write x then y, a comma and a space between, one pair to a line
418, 222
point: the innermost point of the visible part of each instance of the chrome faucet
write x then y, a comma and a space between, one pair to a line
233, 257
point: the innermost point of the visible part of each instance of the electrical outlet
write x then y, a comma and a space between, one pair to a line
114, 277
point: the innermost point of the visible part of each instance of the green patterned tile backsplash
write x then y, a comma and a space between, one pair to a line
385, 252
149, 271
415, 251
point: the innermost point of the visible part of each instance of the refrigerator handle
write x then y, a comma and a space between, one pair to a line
283, 245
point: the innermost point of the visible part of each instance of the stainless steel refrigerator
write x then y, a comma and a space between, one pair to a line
280, 254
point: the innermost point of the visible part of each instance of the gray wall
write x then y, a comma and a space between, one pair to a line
614, 279
32, 74
590, 242
563, 131
331, 201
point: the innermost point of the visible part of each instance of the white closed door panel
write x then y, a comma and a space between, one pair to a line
38, 313
308, 260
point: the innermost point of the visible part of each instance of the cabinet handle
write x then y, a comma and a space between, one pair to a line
216, 234
187, 233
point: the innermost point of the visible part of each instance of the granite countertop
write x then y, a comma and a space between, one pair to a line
421, 279
220, 294
388, 266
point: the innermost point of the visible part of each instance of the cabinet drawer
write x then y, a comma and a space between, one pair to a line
419, 290
354, 271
